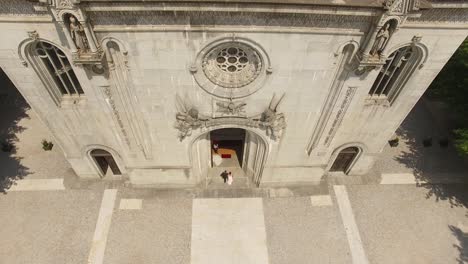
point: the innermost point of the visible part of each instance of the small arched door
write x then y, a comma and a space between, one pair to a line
344, 159
104, 161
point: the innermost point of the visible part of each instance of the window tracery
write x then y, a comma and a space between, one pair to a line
394, 74
58, 68
232, 65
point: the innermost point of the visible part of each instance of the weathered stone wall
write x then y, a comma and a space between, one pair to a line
304, 50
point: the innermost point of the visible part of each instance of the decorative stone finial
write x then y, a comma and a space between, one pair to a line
33, 35
416, 39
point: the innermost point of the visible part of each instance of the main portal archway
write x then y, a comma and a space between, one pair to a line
239, 151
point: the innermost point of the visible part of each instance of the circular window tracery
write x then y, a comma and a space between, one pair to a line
232, 65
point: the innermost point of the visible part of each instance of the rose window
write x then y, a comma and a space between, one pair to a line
232, 65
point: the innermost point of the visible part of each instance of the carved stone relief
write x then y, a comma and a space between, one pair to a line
188, 119
228, 108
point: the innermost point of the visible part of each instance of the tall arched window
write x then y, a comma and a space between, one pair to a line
55, 70
395, 73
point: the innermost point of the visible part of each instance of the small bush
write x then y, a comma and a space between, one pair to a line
394, 142
427, 142
444, 142
7, 146
47, 145
461, 140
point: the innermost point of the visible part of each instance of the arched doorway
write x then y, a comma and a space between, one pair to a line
105, 161
238, 150
345, 159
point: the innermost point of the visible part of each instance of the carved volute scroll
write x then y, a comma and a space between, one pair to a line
80, 36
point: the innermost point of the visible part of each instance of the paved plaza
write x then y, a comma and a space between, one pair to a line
352, 224
404, 212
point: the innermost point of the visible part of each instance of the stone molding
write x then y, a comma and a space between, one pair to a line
18, 8
86, 152
340, 115
122, 98
232, 29
341, 75
362, 149
226, 18
442, 16
230, 7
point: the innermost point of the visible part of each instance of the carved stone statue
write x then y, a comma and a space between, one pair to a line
78, 35
381, 40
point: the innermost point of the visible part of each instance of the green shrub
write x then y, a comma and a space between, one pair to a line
47, 145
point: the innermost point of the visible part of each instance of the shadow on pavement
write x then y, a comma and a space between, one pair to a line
426, 153
12, 108
462, 246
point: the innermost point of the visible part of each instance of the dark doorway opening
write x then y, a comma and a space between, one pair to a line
227, 143
104, 160
344, 159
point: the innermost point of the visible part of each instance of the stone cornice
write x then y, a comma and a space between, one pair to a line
222, 19
356, 3
231, 7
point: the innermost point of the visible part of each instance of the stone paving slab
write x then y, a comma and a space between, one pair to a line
300, 233
47, 227
400, 222
228, 231
158, 233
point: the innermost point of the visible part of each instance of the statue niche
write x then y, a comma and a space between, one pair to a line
78, 34
382, 38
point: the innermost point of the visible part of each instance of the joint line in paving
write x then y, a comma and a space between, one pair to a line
352, 232
98, 246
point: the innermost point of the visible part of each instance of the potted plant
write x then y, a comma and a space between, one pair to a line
394, 142
7, 146
47, 145
443, 142
427, 142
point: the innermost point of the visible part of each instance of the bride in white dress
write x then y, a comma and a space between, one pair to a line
230, 179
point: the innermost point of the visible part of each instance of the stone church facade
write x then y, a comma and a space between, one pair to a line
317, 87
